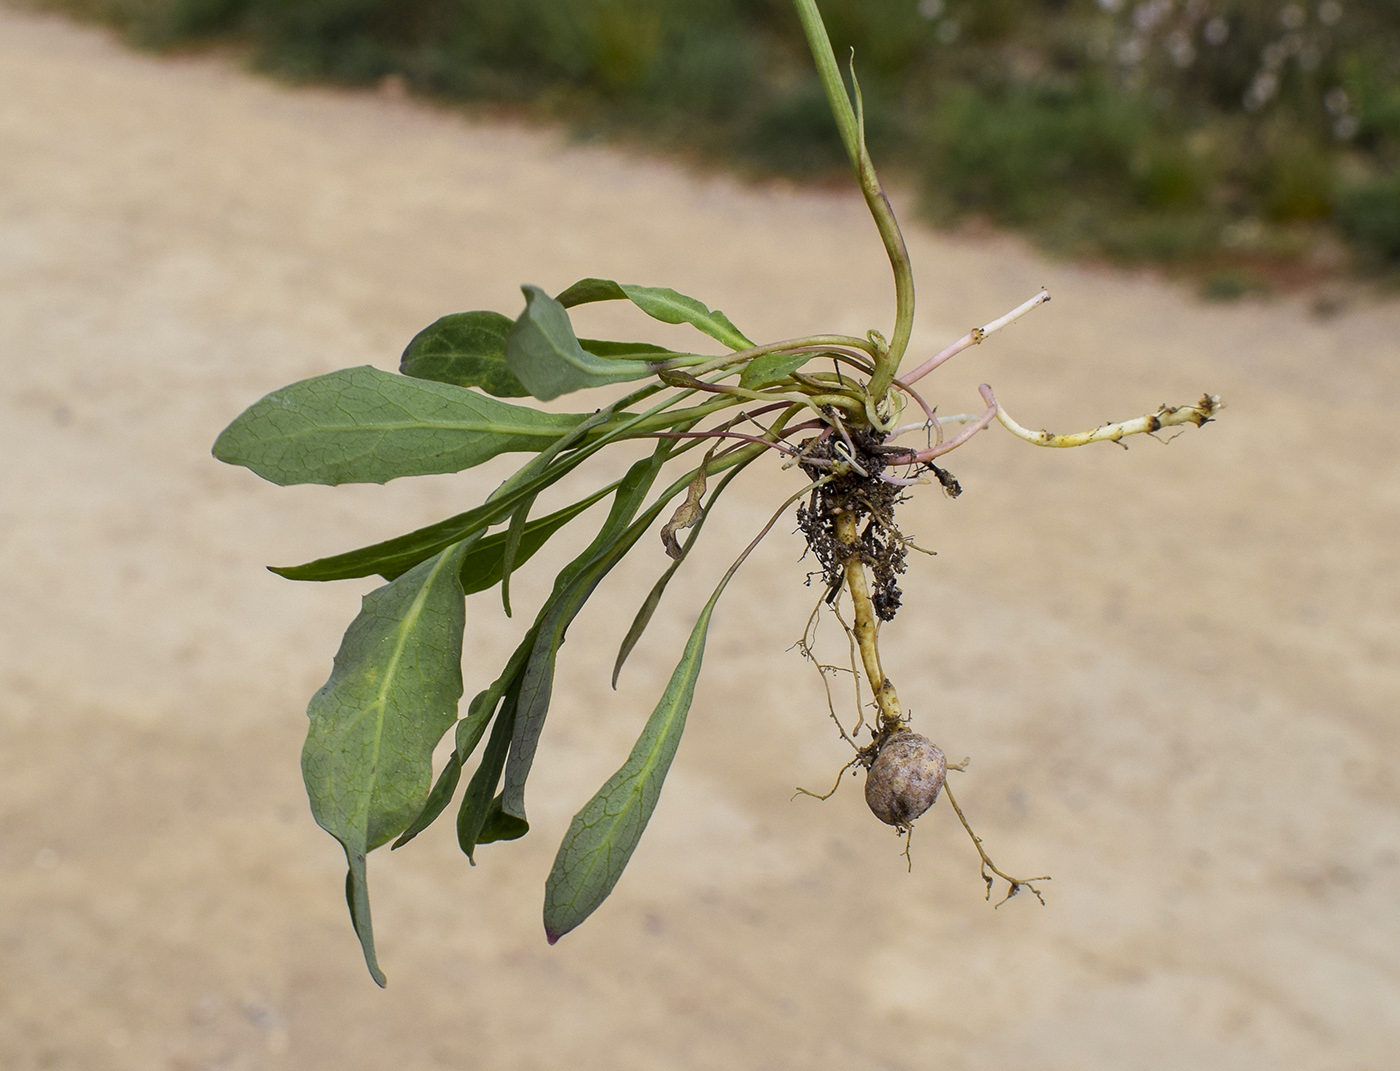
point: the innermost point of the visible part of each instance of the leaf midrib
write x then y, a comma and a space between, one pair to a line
549, 429
381, 700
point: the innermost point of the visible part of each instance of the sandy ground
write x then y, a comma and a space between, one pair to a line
1175, 668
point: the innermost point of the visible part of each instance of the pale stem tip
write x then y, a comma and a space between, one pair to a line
976, 336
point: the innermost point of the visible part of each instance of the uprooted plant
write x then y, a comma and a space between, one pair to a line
833, 406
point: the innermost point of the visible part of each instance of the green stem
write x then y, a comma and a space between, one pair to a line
850, 122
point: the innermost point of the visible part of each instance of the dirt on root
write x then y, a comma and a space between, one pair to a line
1176, 668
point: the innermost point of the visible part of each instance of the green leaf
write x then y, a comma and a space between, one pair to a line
472, 816
484, 565
635, 351
770, 368
501, 826
361, 425
511, 548
438, 799
479, 714
603, 835
391, 696
467, 349
668, 306
395, 556
648, 608
357, 899
587, 291
653, 599
545, 355
572, 588
662, 304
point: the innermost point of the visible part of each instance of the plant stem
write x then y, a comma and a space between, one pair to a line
851, 125
975, 337
867, 627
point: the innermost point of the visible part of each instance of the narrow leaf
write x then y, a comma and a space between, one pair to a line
481, 791
770, 368
357, 899
511, 547
660, 303
471, 818
603, 835
572, 588
438, 799
395, 556
668, 306
392, 694
465, 348
544, 353
653, 599
361, 425
471, 728
632, 351
484, 565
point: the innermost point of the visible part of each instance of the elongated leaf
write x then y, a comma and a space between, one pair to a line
469, 732
648, 608
465, 348
437, 802
603, 835
770, 368
391, 696
670, 307
357, 899
572, 587
544, 353
632, 351
471, 728
395, 556
483, 708
660, 303
511, 547
472, 816
653, 599
484, 565
361, 425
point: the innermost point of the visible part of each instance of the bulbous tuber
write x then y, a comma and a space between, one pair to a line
904, 780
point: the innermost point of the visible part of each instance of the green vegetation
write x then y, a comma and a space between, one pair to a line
1221, 133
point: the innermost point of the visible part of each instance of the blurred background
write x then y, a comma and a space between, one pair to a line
1176, 668
1256, 140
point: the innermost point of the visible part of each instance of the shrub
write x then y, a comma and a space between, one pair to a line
1037, 113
